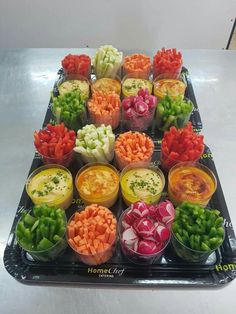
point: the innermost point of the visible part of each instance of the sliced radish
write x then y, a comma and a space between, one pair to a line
128, 219
161, 233
139, 209
166, 211
126, 103
141, 107
144, 227
147, 247
129, 237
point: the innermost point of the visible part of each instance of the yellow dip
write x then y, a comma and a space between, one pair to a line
142, 184
131, 86
71, 85
173, 88
51, 186
98, 184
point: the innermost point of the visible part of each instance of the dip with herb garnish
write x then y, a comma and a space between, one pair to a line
51, 185
142, 184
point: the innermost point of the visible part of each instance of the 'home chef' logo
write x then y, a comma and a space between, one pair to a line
106, 272
226, 267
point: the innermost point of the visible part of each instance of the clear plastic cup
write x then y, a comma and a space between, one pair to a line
167, 163
50, 254
107, 85
173, 74
81, 83
188, 254
106, 199
197, 189
172, 87
51, 199
128, 196
133, 82
96, 258
65, 160
178, 120
137, 122
135, 257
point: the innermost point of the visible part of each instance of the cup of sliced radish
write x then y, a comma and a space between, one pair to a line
144, 231
92, 233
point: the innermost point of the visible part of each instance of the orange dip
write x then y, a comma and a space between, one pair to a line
190, 183
98, 184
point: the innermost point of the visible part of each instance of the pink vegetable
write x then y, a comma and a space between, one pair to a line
147, 247
129, 237
128, 219
139, 209
144, 227
162, 233
126, 103
141, 107
166, 212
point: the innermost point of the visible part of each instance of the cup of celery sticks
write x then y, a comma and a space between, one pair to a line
173, 112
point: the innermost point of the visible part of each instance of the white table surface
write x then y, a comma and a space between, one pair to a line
26, 78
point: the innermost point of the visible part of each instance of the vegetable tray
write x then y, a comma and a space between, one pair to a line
220, 267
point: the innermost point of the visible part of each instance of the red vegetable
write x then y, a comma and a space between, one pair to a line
77, 64
180, 145
54, 143
167, 63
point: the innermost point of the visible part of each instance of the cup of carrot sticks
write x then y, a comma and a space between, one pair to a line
92, 233
132, 147
137, 63
105, 108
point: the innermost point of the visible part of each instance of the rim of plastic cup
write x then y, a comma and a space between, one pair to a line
42, 168
160, 94
67, 238
92, 164
143, 164
166, 157
194, 164
55, 158
135, 76
196, 251
94, 80
131, 250
49, 249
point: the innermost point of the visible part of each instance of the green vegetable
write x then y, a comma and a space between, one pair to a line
70, 109
42, 228
198, 228
107, 61
95, 144
173, 112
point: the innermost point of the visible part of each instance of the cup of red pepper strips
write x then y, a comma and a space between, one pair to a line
196, 232
55, 144
41, 232
180, 145
77, 64
167, 63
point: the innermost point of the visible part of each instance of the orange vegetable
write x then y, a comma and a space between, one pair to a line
133, 147
92, 234
139, 64
104, 108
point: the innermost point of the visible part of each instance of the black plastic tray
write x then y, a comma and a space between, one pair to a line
220, 267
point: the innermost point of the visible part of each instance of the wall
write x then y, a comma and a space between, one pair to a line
125, 23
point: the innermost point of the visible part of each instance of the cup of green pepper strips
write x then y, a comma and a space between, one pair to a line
41, 232
173, 112
70, 108
196, 232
